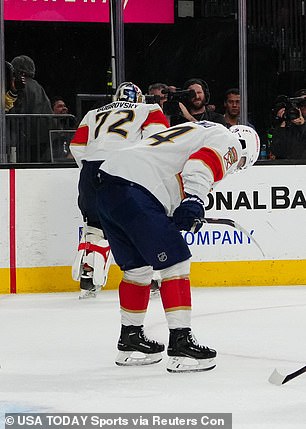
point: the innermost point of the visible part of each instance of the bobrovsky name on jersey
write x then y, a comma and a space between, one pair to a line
281, 197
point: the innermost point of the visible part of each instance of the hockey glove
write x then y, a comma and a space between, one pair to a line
189, 214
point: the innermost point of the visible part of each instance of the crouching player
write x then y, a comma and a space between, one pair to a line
145, 197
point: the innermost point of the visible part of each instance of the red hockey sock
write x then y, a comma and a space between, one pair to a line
175, 294
133, 298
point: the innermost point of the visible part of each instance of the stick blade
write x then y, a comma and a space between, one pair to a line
276, 378
233, 224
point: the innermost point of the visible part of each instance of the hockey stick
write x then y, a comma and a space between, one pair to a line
229, 222
279, 379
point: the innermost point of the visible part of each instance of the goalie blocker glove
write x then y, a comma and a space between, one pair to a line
189, 214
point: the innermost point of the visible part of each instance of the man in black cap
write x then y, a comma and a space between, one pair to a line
32, 98
31, 138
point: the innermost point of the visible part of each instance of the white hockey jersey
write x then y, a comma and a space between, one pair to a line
113, 127
187, 158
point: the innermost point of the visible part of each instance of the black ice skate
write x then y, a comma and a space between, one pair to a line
133, 339
87, 288
186, 355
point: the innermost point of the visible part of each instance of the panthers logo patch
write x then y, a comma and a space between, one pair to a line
230, 157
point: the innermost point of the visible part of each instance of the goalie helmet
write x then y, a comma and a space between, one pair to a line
128, 91
250, 144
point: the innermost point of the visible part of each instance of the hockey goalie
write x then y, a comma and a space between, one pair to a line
110, 128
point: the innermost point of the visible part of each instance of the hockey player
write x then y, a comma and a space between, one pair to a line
110, 128
146, 196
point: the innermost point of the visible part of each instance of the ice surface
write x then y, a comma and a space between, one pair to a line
57, 355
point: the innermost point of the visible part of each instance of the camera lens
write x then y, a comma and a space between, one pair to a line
292, 113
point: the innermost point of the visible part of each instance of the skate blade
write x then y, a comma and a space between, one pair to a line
87, 294
154, 294
138, 359
185, 364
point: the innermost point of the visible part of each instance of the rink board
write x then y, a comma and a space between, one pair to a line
40, 227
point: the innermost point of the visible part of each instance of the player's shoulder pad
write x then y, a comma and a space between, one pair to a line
154, 107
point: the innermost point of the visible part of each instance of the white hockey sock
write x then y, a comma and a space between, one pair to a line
136, 319
178, 319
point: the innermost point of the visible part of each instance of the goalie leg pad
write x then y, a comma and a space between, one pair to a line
94, 251
77, 266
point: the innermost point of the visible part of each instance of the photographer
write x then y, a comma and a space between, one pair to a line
195, 106
170, 100
302, 94
157, 93
289, 133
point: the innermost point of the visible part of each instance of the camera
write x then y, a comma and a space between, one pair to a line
152, 99
171, 106
291, 105
179, 96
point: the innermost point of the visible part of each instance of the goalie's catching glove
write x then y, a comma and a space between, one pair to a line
189, 214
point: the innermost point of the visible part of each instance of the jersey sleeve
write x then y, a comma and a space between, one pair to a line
155, 122
80, 140
208, 166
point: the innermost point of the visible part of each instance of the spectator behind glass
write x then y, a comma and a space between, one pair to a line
31, 137
156, 89
58, 105
32, 98
160, 92
302, 93
60, 140
196, 108
232, 108
289, 131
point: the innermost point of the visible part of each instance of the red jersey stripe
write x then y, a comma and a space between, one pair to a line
156, 117
212, 160
81, 136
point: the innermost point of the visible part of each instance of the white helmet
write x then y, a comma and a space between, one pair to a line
128, 91
250, 144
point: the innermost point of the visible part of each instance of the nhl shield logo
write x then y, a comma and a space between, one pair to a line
162, 257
